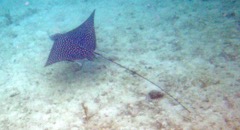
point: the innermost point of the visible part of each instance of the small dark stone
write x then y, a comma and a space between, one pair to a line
14, 94
141, 27
229, 15
128, 28
238, 25
154, 94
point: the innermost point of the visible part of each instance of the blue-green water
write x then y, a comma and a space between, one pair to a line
190, 48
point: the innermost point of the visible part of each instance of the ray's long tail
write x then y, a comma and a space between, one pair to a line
139, 75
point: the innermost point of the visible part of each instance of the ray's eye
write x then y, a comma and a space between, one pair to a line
55, 37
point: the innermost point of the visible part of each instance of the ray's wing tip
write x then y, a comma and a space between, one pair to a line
93, 13
47, 64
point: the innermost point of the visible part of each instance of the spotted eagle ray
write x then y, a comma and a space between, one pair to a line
79, 44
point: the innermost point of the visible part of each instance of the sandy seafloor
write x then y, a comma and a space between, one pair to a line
190, 48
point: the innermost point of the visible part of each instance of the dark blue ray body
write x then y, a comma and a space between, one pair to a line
76, 44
